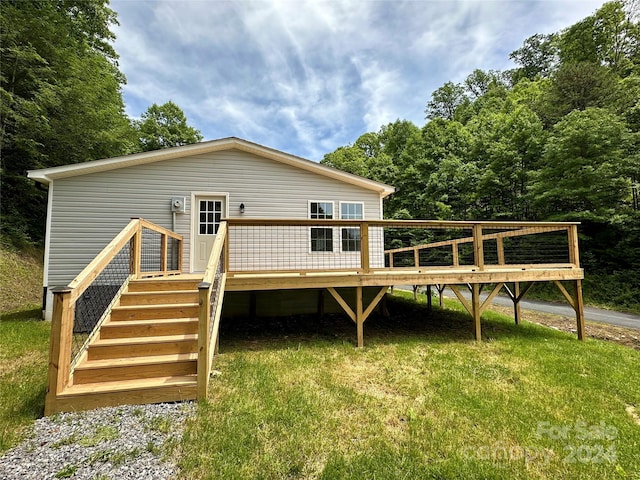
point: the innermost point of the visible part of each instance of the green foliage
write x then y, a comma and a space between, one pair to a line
582, 169
61, 100
558, 138
165, 126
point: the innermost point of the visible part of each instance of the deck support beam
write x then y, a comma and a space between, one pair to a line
476, 307
477, 311
516, 295
440, 289
361, 313
576, 301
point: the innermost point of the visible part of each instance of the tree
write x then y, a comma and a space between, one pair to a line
61, 100
582, 175
538, 56
577, 86
445, 100
165, 126
610, 37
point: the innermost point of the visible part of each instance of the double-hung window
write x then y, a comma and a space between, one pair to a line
350, 236
321, 237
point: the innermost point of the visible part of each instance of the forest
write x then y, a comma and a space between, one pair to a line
61, 102
556, 138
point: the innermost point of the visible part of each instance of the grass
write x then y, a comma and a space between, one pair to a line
20, 279
295, 399
24, 345
24, 349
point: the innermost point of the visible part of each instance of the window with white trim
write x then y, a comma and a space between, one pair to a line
210, 217
350, 236
351, 211
321, 210
321, 237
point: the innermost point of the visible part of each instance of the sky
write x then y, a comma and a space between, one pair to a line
307, 77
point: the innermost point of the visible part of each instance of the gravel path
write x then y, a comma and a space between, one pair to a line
126, 442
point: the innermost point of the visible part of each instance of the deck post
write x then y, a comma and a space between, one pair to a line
478, 247
59, 346
579, 308
429, 302
137, 251
203, 340
364, 248
574, 249
516, 302
475, 307
359, 317
440, 289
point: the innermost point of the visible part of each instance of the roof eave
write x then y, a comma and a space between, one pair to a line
47, 175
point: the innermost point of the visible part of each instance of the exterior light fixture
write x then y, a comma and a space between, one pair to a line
242, 208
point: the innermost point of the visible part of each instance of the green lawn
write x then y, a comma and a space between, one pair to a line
24, 350
295, 399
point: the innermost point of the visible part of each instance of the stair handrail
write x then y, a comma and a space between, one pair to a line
59, 375
210, 293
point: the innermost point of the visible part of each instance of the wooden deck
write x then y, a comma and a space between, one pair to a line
154, 338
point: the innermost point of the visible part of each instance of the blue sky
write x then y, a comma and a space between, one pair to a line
308, 77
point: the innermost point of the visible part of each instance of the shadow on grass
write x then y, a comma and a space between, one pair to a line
408, 321
23, 315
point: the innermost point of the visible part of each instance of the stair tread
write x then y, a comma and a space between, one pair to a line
159, 292
150, 339
136, 323
160, 305
137, 361
135, 384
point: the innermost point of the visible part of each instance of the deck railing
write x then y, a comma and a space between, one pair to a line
141, 249
211, 292
365, 246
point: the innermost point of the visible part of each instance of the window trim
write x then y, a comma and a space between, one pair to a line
323, 252
355, 203
351, 252
333, 208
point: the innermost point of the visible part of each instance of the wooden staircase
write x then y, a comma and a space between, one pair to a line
145, 352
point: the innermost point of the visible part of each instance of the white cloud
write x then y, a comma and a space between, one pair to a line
307, 77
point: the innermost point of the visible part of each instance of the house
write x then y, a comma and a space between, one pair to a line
144, 253
189, 189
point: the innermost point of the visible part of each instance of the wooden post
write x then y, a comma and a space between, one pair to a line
500, 247
180, 249
359, 317
579, 308
478, 248
574, 250
137, 252
475, 305
364, 247
516, 302
320, 304
456, 259
416, 257
59, 346
163, 252
440, 289
390, 260
429, 303
203, 339
225, 254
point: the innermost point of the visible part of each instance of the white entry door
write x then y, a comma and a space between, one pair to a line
209, 211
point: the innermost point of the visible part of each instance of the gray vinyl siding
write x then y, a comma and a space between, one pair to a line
89, 210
